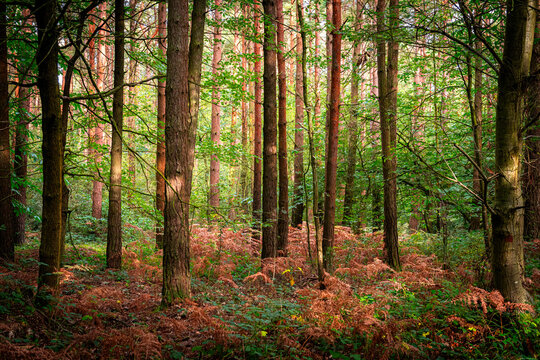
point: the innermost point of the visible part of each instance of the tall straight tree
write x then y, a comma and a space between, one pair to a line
269, 216
283, 208
216, 109
257, 125
387, 76
52, 149
507, 216
114, 225
7, 234
349, 197
184, 60
332, 139
160, 148
298, 199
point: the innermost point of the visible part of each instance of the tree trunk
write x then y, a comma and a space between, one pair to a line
283, 211
97, 185
52, 149
257, 124
183, 88
332, 140
531, 176
269, 216
244, 115
7, 233
216, 112
388, 114
160, 148
349, 198
298, 205
507, 219
21, 161
114, 224
132, 95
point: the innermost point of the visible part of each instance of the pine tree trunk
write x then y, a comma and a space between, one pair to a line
114, 224
7, 231
257, 124
507, 219
52, 149
298, 205
216, 112
332, 140
160, 148
132, 95
283, 209
183, 88
269, 215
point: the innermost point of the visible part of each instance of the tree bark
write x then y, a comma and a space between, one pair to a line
7, 232
349, 198
283, 210
257, 124
388, 114
216, 111
52, 149
531, 176
160, 148
507, 218
132, 95
269, 216
332, 140
298, 205
182, 94
114, 224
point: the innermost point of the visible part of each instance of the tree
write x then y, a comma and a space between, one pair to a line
298, 197
183, 65
388, 115
257, 125
332, 139
283, 208
531, 174
160, 147
269, 215
216, 110
507, 216
52, 149
7, 233
114, 224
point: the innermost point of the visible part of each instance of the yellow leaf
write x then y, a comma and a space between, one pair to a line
263, 333
286, 271
292, 281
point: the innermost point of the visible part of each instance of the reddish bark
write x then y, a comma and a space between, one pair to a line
257, 124
283, 208
332, 136
298, 205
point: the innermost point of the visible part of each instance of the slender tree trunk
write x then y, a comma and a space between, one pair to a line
183, 88
298, 205
257, 124
332, 140
318, 242
269, 216
98, 140
244, 114
349, 197
52, 149
114, 225
160, 148
132, 94
21, 161
7, 231
388, 114
216, 111
531, 176
507, 219
283, 211
376, 211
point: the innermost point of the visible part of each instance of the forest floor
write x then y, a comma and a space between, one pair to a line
240, 309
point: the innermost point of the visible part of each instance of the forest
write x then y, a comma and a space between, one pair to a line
299, 179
